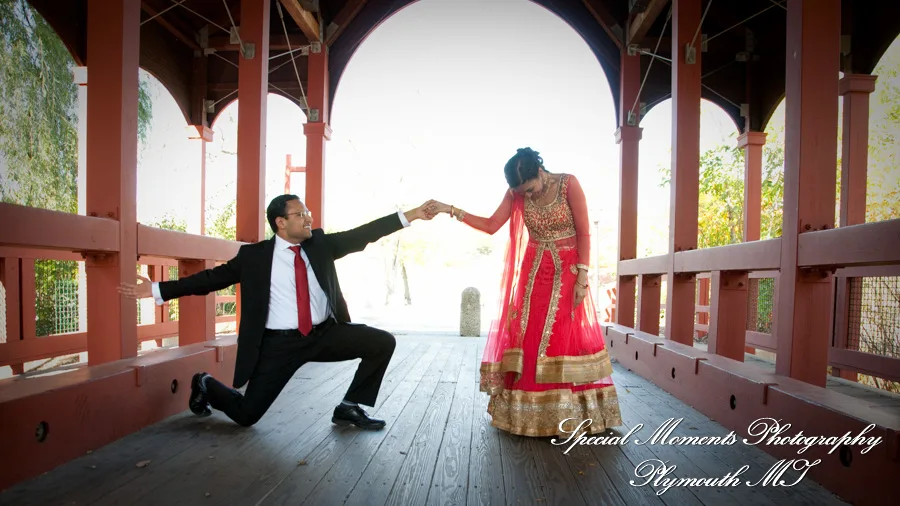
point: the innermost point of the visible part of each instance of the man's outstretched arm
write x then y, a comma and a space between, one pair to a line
355, 240
201, 283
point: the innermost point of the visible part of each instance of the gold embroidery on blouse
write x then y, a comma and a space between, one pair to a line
553, 221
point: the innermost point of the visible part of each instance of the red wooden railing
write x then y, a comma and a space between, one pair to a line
78, 235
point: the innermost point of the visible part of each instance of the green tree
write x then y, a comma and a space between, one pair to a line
169, 222
39, 143
883, 188
721, 212
38, 104
223, 225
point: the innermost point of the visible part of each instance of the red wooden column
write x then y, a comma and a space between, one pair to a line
10, 278
198, 129
628, 136
648, 303
196, 313
290, 168
855, 90
253, 88
317, 131
803, 326
728, 314
752, 143
684, 200
113, 46
201, 134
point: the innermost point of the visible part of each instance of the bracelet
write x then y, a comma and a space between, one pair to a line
582, 286
460, 215
582, 267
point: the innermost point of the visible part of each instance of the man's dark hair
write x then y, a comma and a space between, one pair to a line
523, 166
278, 209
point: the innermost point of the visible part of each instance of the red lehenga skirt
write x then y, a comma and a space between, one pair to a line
546, 366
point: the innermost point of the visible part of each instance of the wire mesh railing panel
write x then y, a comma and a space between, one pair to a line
873, 324
761, 305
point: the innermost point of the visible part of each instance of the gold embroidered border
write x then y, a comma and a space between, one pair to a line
493, 374
574, 369
563, 235
554, 301
526, 303
538, 414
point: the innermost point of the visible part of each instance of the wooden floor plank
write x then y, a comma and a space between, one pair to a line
451, 475
439, 449
345, 462
417, 470
691, 462
298, 452
637, 454
253, 447
378, 479
520, 473
613, 471
193, 476
804, 493
557, 480
114, 466
486, 479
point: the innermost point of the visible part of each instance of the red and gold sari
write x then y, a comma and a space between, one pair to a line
545, 360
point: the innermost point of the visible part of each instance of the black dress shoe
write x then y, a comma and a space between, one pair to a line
354, 415
197, 401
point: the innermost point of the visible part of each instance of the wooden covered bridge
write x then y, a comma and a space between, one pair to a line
116, 430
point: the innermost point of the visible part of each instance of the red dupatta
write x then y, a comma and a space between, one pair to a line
503, 340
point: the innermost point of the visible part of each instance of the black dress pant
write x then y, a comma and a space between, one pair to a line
282, 353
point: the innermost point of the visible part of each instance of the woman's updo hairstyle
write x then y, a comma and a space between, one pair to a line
523, 166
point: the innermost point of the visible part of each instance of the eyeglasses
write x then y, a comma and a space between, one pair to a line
302, 214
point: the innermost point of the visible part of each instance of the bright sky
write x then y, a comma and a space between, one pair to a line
431, 106
441, 98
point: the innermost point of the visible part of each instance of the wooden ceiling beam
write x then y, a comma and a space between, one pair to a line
177, 29
306, 20
606, 20
276, 42
343, 18
227, 87
640, 25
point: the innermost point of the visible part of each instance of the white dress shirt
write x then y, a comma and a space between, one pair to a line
283, 288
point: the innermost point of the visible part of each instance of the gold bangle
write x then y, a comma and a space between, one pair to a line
582, 267
582, 286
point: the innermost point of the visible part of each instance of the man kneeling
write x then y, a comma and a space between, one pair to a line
292, 312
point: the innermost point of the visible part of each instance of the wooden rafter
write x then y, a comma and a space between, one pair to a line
177, 29
276, 42
306, 20
606, 20
343, 18
642, 22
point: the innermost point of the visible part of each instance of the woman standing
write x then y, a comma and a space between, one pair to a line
545, 361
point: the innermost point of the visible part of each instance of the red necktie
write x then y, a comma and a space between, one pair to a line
304, 318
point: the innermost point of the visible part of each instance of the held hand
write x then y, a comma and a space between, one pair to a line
141, 290
440, 207
426, 211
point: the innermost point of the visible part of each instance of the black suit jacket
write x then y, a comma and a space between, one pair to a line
252, 268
